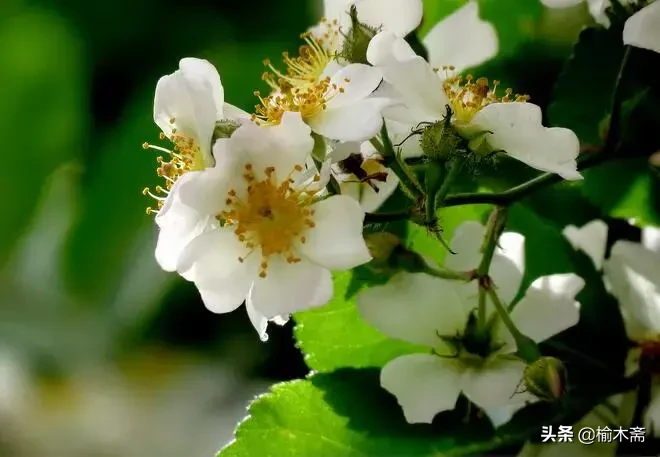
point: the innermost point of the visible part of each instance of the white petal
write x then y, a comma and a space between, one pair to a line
386, 49
462, 39
495, 384
634, 279
179, 224
232, 112
548, 307
338, 9
651, 239
508, 265
423, 384
282, 146
336, 241
212, 259
289, 288
259, 321
202, 72
357, 80
642, 30
597, 10
466, 243
359, 121
591, 239
420, 87
398, 16
501, 415
414, 307
516, 128
341, 151
206, 191
189, 96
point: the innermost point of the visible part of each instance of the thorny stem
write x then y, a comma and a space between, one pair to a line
386, 148
449, 274
387, 217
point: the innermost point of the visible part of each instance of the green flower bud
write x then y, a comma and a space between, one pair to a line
357, 40
440, 141
546, 378
224, 129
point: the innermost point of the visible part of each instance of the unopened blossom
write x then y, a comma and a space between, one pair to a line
435, 313
498, 123
187, 105
269, 240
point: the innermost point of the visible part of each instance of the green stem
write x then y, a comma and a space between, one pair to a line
386, 149
454, 170
449, 274
527, 348
482, 317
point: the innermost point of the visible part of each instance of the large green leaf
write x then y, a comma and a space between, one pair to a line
583, 94
626, 189
347, 414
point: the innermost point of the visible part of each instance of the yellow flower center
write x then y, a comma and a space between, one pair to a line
271, 216
301, 87
184, 156
469, 96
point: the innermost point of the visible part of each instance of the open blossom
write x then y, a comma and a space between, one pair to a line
268, 239
187, 105
632, 276
436, 313
641, 29
499, 123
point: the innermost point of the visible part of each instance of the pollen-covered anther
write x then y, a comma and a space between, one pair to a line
468, 96
270, 217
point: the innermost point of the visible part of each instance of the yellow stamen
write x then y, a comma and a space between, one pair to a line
272, 216
469, 96
184, 156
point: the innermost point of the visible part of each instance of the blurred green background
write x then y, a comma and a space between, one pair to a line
102, 353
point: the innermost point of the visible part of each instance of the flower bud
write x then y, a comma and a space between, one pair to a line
357, 40
224, 129
440, 141
546, 378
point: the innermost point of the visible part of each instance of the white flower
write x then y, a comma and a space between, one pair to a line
187, 105
338, 107
633, 277
268, 240
462, 39
591, 239
502, 123
642, 29
429, 311
362, 175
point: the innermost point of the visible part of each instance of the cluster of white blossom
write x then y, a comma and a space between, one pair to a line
260, 207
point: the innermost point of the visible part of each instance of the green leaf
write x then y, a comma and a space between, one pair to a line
625, 189
583, 95
347, 414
